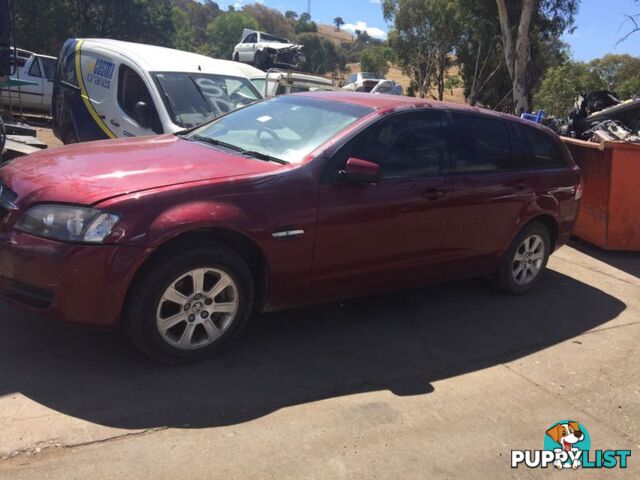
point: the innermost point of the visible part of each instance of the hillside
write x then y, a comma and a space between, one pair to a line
329, 32
396, 74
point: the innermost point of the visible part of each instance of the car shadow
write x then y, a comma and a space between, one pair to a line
401, 342
622, 260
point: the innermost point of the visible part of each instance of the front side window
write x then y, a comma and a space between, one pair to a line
287, 128
195, 98
479, 144
406, 145
131, 90
540, 150
251, 38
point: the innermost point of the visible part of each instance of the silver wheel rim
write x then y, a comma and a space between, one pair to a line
197, 308
527, 262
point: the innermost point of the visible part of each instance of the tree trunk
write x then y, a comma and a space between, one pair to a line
517, 53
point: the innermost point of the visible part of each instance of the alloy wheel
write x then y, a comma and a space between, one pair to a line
528, 260
197, 308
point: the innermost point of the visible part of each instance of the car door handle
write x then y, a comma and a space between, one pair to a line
114, 123
433, 194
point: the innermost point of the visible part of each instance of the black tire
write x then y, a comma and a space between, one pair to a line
236, 57
505, 277
145, 297
70, 138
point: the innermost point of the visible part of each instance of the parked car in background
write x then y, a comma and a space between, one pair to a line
274, 83
266, 51
362, 81
37, 69
387, 87
293, 200
109, 88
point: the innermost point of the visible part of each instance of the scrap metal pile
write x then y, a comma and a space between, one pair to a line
600, 116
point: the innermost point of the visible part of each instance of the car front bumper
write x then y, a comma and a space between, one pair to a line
72, 283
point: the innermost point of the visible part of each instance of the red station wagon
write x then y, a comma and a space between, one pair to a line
294, 200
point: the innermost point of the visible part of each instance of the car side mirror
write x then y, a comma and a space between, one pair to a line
360, 171
144, 115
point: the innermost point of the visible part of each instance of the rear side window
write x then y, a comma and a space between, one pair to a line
34, 70
540, 151
479, 144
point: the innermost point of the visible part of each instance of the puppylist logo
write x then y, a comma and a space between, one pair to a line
567, 444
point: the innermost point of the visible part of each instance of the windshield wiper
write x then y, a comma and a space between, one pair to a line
249, 153
215, 141
264, 156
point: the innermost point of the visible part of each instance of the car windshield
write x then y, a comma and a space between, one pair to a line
195, 98
371, 75
287, 128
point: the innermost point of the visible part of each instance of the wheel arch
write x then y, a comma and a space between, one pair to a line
238, 242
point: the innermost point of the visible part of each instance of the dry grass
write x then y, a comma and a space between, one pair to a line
329, 32
396, 75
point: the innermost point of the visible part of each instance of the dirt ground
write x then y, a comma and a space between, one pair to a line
440, 382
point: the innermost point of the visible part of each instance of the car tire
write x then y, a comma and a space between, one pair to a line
236, 57
524, 262
70, 137
165, 293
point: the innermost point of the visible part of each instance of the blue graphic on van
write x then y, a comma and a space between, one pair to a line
101, 73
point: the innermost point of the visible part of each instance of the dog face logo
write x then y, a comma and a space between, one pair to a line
569, 437
566, 434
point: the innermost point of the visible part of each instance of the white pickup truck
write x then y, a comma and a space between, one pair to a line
36, 69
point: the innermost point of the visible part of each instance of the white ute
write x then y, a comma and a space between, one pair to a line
37, 69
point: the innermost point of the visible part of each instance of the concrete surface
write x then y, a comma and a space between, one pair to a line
439, 382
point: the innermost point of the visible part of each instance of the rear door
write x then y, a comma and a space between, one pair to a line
388, 234
490, 191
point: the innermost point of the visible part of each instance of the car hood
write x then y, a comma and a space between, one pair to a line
88, 173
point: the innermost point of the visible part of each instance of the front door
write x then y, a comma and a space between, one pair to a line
385, 235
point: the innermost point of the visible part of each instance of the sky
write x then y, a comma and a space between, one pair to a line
600, 23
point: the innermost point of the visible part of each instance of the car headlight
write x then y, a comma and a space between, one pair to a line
68, 223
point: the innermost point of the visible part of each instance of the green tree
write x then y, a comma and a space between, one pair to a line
612, 69
377, 59
146, 21
224, 32
184, 37
305, 24
321, 55
517, 21
291, 15
629, 88
338, 22
269, 20
424, 34
561, 86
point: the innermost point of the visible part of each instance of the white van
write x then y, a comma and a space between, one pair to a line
38, 71
109, 88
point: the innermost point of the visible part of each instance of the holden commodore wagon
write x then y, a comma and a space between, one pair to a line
179, 239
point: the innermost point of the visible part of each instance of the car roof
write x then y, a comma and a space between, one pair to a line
392, 102
160, 59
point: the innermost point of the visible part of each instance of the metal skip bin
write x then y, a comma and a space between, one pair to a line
610, 209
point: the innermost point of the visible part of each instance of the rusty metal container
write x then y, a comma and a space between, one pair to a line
610, 209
